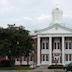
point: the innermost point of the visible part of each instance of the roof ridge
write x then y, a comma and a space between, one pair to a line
47, 28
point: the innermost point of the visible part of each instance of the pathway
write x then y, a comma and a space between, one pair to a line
43, 68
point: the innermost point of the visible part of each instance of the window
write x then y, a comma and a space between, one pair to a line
69, 57
24, 58
46, 45
18, 59
66, 45
43, 57
47, 57
55, 46
70, 45
58, 45
66, 57
31, 58
43, 45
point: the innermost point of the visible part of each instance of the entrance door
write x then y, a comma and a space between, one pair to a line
56, 50
57, 58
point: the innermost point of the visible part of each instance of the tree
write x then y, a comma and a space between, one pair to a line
15, 42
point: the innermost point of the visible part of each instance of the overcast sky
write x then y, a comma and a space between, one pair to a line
33, 14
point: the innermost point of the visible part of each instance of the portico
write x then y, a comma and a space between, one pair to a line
54, 42
51, 47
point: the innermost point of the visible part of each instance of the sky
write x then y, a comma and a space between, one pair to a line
33, 14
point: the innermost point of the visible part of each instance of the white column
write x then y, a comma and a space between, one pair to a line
63, 50
38, 50
50, 50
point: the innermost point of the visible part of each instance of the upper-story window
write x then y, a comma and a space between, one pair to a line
54, 45
58, 45
45, 44
66, 45
70, 45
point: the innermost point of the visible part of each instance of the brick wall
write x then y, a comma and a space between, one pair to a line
35, 50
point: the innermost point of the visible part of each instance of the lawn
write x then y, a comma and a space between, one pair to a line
16, 68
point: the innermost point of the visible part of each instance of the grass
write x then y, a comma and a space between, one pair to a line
16, 68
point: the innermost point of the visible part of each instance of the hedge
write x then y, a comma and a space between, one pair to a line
6, 63
56, 67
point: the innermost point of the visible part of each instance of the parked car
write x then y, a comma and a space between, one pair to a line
68, 67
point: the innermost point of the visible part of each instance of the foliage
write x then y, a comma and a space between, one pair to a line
16, 68
56, 67
6, 63
15, 42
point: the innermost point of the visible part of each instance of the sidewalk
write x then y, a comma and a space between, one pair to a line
42, 69
45, 70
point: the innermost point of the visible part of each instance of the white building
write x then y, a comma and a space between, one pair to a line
53, 43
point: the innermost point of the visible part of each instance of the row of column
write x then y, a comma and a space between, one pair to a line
50, 50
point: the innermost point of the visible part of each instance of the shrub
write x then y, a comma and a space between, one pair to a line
6, 63
56, 67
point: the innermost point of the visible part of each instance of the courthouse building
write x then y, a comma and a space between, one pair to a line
53, 43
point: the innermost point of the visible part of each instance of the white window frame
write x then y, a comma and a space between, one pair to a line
68, 41
45, 41
66, 45
44, 57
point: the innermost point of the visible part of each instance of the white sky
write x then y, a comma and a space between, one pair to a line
33, 14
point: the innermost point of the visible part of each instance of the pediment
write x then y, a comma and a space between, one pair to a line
55, 29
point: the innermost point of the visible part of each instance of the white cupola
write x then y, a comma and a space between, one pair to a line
57, 16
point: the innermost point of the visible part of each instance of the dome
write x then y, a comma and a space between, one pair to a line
57, 16
57, 10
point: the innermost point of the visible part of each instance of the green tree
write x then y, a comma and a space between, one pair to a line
15, 42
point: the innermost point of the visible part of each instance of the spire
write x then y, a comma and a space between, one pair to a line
57, 16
